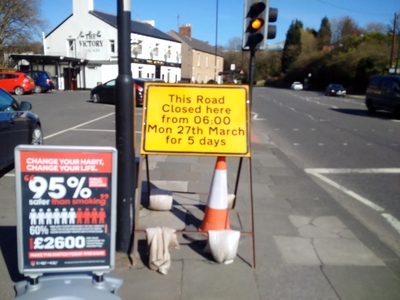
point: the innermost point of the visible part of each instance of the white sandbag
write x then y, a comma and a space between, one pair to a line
231, 199
223, 245
160, 199
159, 239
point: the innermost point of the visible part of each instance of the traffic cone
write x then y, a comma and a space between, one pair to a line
216, 215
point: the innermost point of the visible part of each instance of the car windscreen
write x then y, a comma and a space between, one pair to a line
337, 86
28, 76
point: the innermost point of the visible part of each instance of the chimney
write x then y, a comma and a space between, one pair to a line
186, 29
81, 7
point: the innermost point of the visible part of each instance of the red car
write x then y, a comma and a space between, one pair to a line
18, 83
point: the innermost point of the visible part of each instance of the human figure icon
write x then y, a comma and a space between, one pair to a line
64, 216
86, 216
94, 215
72, 216
33, 216
79, 216
40, 216
56, 216
49, 217
102, 216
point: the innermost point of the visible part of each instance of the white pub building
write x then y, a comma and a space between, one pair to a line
83, 50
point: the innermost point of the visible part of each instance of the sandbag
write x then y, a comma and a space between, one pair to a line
159, 239
160, 199
223, 245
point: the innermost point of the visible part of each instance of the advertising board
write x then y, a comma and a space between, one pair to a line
66, 208
195, 119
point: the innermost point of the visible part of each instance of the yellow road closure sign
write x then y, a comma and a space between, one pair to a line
189, 119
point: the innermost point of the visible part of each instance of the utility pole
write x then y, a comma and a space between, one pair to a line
396, 15
124, 119
216, 41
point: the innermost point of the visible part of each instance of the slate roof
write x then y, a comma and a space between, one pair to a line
136, 27
196, 44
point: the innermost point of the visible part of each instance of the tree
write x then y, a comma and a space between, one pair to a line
19, 21
324, 33
235, 43
376, 27
348, 27
292, 47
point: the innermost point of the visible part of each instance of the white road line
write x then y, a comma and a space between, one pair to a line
396, 121
345, 190
100, 130
9, 175
256, 117
77, 126
393, 221
358, 171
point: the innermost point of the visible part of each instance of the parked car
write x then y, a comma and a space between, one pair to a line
335, 90
383, 93
16, 82
139, 88
18, 125
105, 93
43, 80
296, 86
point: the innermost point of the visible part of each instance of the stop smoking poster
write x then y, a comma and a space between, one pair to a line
65, 208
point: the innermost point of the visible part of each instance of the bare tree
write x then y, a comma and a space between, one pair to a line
377, 27
20, 20
235, 43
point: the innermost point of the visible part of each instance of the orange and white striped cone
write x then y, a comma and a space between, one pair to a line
216, 214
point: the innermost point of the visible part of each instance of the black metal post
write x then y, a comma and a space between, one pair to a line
124, 119
251, 76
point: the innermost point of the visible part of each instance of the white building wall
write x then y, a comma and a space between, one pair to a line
87, 37
109, 72
93, 76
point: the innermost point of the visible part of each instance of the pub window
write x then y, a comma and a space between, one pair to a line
218, 63
162, 77
112, 46
176, 78
206, 79
198, 60
206, 63
198, 78
140, 72
71, 48
148, 75
152, 75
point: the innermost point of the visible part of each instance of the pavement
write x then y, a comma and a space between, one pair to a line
306, 245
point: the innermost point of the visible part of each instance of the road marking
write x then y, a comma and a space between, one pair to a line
295, 129
393, 221
389, 218
321, 144
100, 130
363, 200
296, 144
396, 121
256, 117
358, 171
77, 126
9, 175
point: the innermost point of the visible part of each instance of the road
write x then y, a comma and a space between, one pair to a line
352, 154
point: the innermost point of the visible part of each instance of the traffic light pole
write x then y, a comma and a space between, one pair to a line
251, 76
125, 137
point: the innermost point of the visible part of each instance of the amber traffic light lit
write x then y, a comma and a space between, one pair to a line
257, 23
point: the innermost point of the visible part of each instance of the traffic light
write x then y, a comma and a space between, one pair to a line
256, 30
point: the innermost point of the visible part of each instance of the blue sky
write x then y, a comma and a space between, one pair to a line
201, 14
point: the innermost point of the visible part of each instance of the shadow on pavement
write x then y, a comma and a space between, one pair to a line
8, 246
6, 170
364, 113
